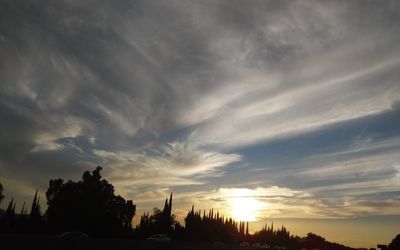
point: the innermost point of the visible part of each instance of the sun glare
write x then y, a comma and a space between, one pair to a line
243, 205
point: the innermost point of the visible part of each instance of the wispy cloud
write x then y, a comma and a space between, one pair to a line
172, 101
272, 203
174, 164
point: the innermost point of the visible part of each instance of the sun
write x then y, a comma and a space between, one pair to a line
243, 206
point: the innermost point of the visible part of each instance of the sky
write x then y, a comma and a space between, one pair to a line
292, 107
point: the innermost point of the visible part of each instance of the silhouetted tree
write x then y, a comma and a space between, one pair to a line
89, 205
265, 235
279, 237
166, 220
11, 208
161, 221
35, 220
35, 207
212, 227
8, 220
395, 244
23, 210
144, 229
22, 223
313, 241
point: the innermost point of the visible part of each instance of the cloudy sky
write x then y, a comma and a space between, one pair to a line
292, 105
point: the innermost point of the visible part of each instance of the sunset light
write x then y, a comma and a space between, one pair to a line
243, 206
270, 123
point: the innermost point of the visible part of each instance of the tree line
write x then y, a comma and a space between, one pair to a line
88, 205
91, 206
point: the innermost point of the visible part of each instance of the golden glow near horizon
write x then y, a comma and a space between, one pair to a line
243, 205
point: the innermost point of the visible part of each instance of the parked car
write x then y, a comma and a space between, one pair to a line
256, 244
159, 238
266, 246
244, 244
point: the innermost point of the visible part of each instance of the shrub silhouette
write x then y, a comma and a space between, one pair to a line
89, 205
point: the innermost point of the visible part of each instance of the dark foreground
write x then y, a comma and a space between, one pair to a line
33, 242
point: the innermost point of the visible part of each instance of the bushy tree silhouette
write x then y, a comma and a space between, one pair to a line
89, 205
